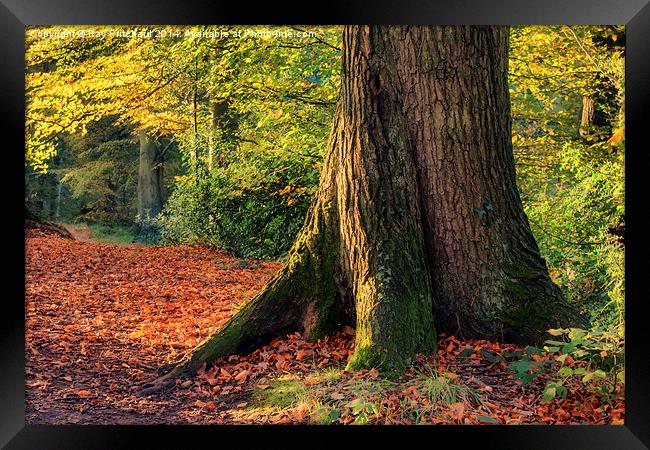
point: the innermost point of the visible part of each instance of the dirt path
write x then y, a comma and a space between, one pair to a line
101, 318
81, 232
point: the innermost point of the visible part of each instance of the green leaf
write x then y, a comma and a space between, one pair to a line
577, 333
587, 378
357, 405
520, 366
490, 356
488, 419
466, 353
549, 394
579, 353
524, 377
568, 348
530, 350
556, 332
565, 372
361, 419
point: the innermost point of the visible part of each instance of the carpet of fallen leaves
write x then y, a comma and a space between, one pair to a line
101, 319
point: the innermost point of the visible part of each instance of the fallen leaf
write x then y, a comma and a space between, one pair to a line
242, 376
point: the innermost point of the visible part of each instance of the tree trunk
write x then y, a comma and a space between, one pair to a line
150, 179
417, 217
596, 120
489, 280
218, 132
222, 130
587, 118
600, 108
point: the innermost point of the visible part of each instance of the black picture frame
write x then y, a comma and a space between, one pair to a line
16, 14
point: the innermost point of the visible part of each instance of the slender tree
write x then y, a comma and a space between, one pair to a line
150, 178
417, 224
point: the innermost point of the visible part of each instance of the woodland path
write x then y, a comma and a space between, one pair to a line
102, 317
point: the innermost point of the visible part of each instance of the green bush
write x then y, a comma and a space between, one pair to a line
571, 212
148, 229
243, 210
601, 355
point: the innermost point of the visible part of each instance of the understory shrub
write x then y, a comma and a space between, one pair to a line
148, 229
246, 212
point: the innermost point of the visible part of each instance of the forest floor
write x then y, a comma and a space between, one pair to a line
102, 318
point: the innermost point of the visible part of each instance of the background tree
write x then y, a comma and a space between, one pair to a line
100, 173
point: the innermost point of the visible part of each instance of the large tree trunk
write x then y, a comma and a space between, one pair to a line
150, 178
489, 280
417, 218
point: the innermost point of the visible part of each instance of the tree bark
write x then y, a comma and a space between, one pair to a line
218, 132
150, 178
417, 218
587, 117
489, 280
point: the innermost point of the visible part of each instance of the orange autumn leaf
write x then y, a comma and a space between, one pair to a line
451, 375
458, 409
241, 376
302, 354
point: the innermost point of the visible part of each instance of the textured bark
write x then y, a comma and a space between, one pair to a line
489, 280
417, 218
150, 178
